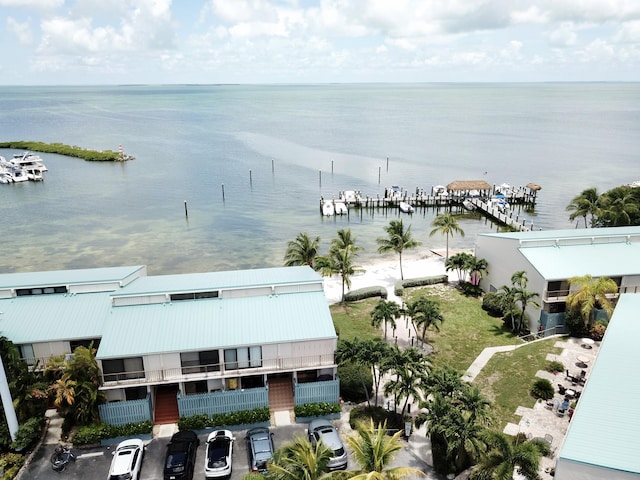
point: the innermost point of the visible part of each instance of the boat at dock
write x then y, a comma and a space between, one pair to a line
351, 197
328, 208
406, 207
340, 208
28, 160
468, 205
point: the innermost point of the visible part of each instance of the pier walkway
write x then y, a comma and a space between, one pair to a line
504, 217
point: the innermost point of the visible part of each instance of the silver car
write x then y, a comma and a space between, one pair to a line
324, 431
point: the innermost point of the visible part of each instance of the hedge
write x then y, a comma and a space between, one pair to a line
316, 409
399, 287
242, 417
91, 434
363, 293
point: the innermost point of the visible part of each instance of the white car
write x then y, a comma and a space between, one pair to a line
217, 460
127, 460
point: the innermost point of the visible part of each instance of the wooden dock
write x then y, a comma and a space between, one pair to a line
524, 196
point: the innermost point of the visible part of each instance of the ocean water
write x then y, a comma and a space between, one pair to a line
251, 163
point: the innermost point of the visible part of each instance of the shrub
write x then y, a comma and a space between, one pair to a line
316, 409
93, 433
597, 331
28, 433
398, 288
351, 382
555, 367
379, 415
363, 293
11, 462
470, 290
241, 417
542, 388
492, 304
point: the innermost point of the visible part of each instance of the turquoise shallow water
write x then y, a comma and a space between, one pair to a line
274, 147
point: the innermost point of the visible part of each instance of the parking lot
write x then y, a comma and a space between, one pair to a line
94, 463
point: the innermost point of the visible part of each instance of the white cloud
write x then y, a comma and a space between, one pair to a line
628, 32
37, 4
563, 36
22, 30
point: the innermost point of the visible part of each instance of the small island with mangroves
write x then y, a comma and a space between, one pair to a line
71, 151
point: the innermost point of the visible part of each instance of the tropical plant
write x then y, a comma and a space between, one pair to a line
525, 298
341, 259
542, 388
424, 313
373, 450
447, 225
458, 262
620, 206
372, 353
504, 456
300, 460
587, 203
385, 312
410, 369
302, 251
591, 293
397, 240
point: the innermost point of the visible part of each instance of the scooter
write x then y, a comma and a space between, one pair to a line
61, 458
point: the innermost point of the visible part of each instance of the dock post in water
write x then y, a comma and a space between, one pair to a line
186, 212
320, 177
250, 178
223, 192
379, 169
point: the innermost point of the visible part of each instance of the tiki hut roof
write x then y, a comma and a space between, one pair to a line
533, 186
469, 185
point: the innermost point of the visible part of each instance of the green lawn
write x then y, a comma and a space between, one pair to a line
353, 319
466, 329
465, 332
508, 377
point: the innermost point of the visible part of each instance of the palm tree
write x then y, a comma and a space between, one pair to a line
341, 258
526, 298
587, 203
590, 294
372, 353
424, 313
299, 460
476, 267
373, 450
508, 302
302, 251
447, 225
385, 312
411, 369
619, 207
398, 240
458, 262
505, 456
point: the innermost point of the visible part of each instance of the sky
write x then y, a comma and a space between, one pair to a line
105, 42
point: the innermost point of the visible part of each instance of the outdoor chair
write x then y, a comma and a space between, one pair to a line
561, 389
548, 438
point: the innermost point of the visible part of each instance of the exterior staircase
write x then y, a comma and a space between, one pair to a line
166, 406
281, 399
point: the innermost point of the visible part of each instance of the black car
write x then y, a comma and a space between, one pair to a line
259, 448
181, 456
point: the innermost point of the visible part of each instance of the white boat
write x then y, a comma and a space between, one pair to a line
28, 160
440, 190
350, 197
406, 207
327, 208
340, 208
499, 203
5, 177
468, 204
18, 175
34, 174
505, 189
394, 193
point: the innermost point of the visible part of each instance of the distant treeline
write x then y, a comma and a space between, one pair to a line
69, 151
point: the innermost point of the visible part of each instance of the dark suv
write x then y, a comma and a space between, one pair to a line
259, 448
181, 456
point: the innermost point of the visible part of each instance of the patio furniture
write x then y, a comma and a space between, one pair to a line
561, 389
587, 343
548, 438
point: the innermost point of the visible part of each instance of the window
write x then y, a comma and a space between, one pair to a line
122, 369
21, 292
84, 343
135, 393
197, 362
27, 355
191, 388
176, 297
244, 357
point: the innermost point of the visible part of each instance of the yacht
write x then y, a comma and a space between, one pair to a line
340, 208
406, 207
327, 208
28, 160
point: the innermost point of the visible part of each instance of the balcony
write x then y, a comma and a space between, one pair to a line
192, 373
551, 296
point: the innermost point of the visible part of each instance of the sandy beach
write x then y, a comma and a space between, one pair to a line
386, 273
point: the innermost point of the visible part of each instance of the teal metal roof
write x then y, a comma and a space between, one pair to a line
215, 323
566, 234
598, 260
604, 428
66, 277
193, 282
48, 318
